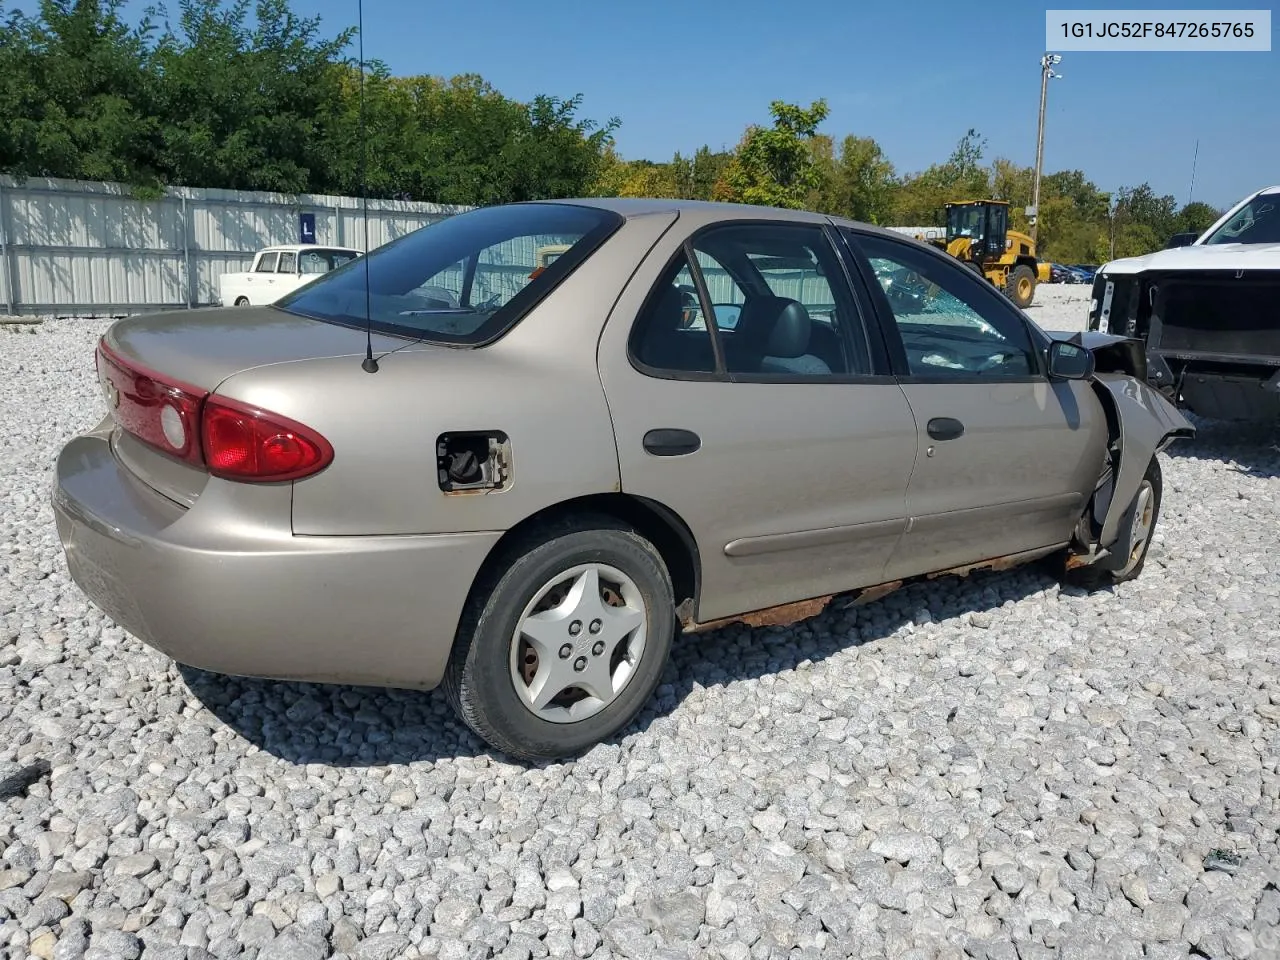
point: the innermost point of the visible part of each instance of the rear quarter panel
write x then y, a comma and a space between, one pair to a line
538, 384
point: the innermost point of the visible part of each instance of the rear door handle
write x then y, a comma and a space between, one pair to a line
945, 428
671, 442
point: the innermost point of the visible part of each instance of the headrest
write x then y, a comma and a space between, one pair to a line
667, 311
774, 327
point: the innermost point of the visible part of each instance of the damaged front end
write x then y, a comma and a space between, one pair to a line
1212, 337
1141, 423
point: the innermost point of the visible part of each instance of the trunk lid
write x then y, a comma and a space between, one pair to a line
203, 347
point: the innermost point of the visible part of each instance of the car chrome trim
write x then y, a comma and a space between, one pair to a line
807, 539
931, 522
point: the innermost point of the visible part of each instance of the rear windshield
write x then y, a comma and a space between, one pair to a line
464, 280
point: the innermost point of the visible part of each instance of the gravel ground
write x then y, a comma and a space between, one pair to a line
993, 767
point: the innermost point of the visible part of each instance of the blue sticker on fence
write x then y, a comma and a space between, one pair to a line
308, 225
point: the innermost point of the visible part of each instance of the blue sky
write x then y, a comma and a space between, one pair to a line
915, 75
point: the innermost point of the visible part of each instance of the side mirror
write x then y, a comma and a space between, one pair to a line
1069, 361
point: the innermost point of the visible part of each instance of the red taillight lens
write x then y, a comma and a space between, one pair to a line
245, 443
159, 411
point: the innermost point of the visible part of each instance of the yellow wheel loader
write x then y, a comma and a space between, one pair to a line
978, 234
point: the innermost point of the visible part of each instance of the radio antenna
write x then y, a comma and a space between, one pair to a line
370, 365
1194, 157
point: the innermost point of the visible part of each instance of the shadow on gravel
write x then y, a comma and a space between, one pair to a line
335, 724
349, 726
1254, 448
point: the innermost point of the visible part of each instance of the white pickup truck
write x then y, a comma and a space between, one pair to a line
280, 270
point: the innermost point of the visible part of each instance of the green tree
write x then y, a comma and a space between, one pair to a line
922, 197
867, 180
774, 166
241, 103
77, 92
1197, 217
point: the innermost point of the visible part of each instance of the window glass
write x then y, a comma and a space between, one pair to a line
288, 263
727, 297
464, 279
1258, 221
268, 263
671, 333
782, 308
322, 261
950, 322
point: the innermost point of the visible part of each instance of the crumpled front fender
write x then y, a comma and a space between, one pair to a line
1147, 423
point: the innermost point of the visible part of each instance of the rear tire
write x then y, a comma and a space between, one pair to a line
1021, 286
530, 634
242, 301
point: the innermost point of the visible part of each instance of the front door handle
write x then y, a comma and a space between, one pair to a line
945, 428
671, 442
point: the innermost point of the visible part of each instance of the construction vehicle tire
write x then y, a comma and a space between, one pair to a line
1021, 287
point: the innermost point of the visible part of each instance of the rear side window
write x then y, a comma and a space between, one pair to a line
464, 280
780, 309
267, 263
671, 332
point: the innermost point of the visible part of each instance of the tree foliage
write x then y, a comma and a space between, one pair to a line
246, 94
774, 166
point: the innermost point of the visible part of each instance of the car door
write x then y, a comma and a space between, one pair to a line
780, 437
1007, 458
260, 281
286, 279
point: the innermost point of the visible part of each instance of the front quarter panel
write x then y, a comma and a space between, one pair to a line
1147, 423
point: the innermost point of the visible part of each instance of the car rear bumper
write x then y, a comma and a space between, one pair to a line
215, 588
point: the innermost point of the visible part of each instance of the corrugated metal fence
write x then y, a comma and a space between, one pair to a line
74, 247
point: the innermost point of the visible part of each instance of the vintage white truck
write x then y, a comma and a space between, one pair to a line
280, 270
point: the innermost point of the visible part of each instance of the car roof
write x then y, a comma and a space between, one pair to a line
710, 210
297, 247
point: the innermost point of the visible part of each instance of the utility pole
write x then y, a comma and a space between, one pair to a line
1047, 62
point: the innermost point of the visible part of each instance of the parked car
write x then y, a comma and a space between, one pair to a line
1207, 312
277, 271
522, 490
1060, 274
1083, 274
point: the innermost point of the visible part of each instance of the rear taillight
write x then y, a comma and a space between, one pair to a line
233, 440
159, 411
245, 443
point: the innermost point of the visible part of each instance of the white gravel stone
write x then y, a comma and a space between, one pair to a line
991, 767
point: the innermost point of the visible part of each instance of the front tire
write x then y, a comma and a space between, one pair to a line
1021, 286
564, 640
1136, 532
1140, 524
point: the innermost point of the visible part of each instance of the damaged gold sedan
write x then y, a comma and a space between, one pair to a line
460, 461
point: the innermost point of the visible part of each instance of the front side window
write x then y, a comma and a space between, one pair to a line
1258, 221
465, 279
322, 261
965, 221
288, 263
950, 324
267, 263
